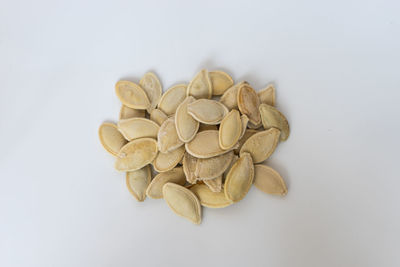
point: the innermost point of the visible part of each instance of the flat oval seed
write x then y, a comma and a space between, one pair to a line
189, 166
176, 176
200, 86
183, 202
158, 116
248, 103
207, 111
209, 198
271, 117
205, 145
230, 130
171, 99
136, 154
245, 120
215, 184
135, 128
239, 179
211, 168
261, 145
186, 125
168, 139
267, 95
132, 95
110, 138
167, 161
127, 113
229, 98
152, 86
220, 81
205, 127
138, 181
248, 133
269, 181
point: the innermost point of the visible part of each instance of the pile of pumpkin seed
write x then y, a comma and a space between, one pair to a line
204, 151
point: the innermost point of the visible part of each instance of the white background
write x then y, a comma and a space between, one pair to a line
336, 68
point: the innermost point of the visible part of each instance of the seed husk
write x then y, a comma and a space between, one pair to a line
271, 117
186, 125
269, 181
211, 168
207, 111
261, 145
136, 154
229, 98
200, 86
158, 116
220, 81
267, 95
110, 138
138, 181
171, 99
250, 125
167, 161
176, 176
168, 139
248, 103
189, 167
215, 184
132, 95
183, 202
248, 133
135, 128
152, 86
230, 130
245, 120
127, 113
209, 198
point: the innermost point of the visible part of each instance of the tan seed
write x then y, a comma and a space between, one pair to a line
269, 181
138, 181
167, 161
152, 86
171, 99
135, 128
136, 154
254, 126
127, 113
168, 139
215, 184
247, 135
211, 168
111, 139
186, 125
271, 117
200, 86
132, 95
248, 103
229, 98
267, 95
207, 111
158, 116
245, 120
230, 130
261, 145
176, 176
209, 198
189, 167
220, 81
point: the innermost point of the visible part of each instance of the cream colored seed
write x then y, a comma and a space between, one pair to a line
245, 120
271, 117
135, 128
186, 125
207, 111
152, 86
269, 181
248, 133
138, 181
136, 154
127, 113
167, 161
220, 81
267, 95
158, 116
171, 99
200, 86
168, 139
215, 184
248, 103
230, 130
189, 166
111, 139
176, 176
229, 98
209, 198
132, 95
211, 168
261, 145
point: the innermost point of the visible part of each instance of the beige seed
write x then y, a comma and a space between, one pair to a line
200, 86
189, 166
267, 95
239, 179
132, 95
247, 135
211, 168
215, 184
205, 127
171, 99
127, 113
111, 139
229, 98
230, 130
168, 139
271, 117
261, 145
167, 161
152, 86
135, 128
183, 202
138, 181
245, 120
254, 126
209, 198
136, 154
234, 159
176, 176
158, 116
220, 81
186, 125
248, 103
207, 111
269, 181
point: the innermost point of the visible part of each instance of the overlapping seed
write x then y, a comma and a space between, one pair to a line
186, 127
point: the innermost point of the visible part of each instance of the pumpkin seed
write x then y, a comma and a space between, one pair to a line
229, 98
158, 116
267, 95
186, 125
234, 159
152, 86
205, 145
220, 81
248, 103
136, 154
127, 113
176, 176
245, 120
135, 128
271, 117
183, 202
132, 95
200, 86
167, 161
261, 145
209, 198
138, 181
168, 139
250, 125
207, 111
189, 166
215, 184
230, 130
205, 127
171, 99
211, 168
269, 181
248, 133
110, 138
239, 179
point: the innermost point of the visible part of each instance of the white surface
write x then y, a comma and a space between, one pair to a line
336, 68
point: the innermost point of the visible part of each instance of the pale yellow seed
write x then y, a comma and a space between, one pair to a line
207, 111
168, 139
200, 86
261, 145
245, 120
247, 134
230, 130
209, 198
215, 184
136, 154
229, 98
176, 176
171, 99
167, 161
186, 125
111, 139
248, 103
132, 95
220, 81
158, 116
138, 181
271, 117
211, 168
127, 113
152, 86
135, 128
267, 95
189, 166
269, 181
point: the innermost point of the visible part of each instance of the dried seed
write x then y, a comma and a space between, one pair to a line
189, 166
171, 99
211, 168
200, 86
248, 133
135, 128
127, 113
158, 116
132, 95
215, 184
209, 198
176, 176
271, 117
111, 139
261, 145
168, 139
152, 86
186, 125
248, 103
205, 127
239, 179
205, 145
269, 181
233, 161
220, 81
245, 120
138, 181
267, 95
229, 98
207, 111
230, 130
167, 161
183, 202
254, 126
136, 154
